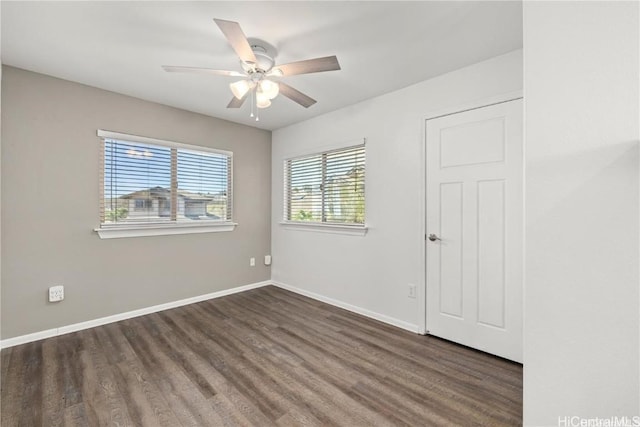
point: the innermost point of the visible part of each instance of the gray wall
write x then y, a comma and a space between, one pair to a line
50, 163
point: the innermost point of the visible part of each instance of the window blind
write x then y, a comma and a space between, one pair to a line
326, 187
146, 183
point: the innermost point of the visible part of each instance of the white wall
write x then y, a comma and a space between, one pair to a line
372, 272
0, 170
582, 110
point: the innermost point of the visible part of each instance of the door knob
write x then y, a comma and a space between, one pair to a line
433, 237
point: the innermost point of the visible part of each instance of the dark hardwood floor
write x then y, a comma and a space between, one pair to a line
259, 358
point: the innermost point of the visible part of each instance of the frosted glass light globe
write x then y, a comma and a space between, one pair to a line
269, 88
240, 88
262, 101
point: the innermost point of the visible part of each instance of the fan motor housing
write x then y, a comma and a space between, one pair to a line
264, 61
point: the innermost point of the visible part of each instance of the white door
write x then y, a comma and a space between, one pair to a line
474, 223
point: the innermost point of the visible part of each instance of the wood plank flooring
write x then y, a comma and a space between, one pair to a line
265, 357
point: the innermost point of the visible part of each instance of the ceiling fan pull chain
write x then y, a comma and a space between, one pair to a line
252, 104
257, 109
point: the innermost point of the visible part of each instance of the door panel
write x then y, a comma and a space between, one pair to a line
491, 262
451, 251
458, 145
474, 205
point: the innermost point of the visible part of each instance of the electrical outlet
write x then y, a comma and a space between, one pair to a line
412, 290
252, 262
267, 260
56, 293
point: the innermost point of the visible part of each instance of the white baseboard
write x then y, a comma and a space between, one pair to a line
359, 310
23, 339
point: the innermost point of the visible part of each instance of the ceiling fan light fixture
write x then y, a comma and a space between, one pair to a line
269, 88
263, 104
262, 101
240, 88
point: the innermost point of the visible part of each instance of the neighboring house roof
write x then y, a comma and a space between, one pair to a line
151, 193
165, 193
193, 196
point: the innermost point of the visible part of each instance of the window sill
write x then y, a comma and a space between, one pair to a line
352, 230
117, 232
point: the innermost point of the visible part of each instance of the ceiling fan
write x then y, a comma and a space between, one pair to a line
259, 73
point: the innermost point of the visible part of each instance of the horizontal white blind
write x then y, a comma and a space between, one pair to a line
145, 183
326, 187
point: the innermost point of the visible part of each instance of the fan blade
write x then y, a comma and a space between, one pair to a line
328, 63
296, 96
237, 103
236, 39
196, 70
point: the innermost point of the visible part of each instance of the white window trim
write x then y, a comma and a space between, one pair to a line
324, 227
106, 134
353, 230
118, 231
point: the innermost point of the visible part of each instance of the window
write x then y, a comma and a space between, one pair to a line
141, 204
326, 188
155, 184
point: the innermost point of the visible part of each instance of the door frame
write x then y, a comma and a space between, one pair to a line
473, 105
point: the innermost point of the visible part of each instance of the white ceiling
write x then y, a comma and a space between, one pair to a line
381, 46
